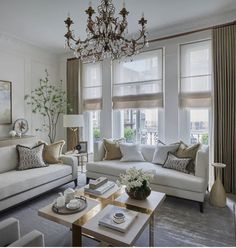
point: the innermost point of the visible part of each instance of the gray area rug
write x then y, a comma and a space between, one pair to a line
178, 223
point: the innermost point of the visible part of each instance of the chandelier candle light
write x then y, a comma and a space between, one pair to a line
106, 35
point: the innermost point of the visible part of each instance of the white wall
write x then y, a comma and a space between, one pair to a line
24, 65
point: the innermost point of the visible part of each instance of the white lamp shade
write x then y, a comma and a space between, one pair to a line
73, 120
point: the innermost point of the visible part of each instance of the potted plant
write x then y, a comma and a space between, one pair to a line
49, 101
137, 183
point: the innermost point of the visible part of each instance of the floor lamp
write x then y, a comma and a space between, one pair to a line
73, 122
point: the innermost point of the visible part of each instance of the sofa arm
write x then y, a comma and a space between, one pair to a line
9, 231
72, 161
32, 239
99, 151
202, 163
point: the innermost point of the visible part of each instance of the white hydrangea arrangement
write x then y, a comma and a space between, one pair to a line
134, 178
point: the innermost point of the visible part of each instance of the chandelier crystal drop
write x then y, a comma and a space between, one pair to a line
106, 35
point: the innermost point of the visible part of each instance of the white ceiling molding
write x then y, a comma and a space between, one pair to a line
41, 23
193, 25
11, 44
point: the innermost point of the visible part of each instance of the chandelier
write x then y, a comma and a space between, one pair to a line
106, 35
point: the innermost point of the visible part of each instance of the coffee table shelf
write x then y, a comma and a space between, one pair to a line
86, 222
113, 237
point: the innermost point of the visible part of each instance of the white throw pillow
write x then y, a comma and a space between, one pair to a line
148, 152
131, 153
161, 152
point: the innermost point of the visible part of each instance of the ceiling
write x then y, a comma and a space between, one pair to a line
40, 22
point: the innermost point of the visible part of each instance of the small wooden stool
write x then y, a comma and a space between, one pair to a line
217, 195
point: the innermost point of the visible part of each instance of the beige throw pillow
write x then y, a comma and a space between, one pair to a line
112, 149
185, 151
52, 152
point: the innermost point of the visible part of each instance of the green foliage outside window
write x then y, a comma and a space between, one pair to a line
129, 134
96, 133
204, 139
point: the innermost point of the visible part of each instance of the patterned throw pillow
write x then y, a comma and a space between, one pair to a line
175, 163
30, 158
112, 149
52, 152
189, 152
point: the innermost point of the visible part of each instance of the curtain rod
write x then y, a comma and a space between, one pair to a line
186, 33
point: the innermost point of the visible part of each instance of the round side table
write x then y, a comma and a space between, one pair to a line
217, 195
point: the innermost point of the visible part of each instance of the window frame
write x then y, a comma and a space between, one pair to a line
184, 111
195, 99
158, 97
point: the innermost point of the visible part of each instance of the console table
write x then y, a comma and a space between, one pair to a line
10, 141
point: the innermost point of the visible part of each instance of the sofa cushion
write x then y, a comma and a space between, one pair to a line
161, 152
52, 152
9, 159
112, 149
130, 153
177, 179
175, 163
116, 167
162, 176
30, 157
148, 152
14, 182
190, 152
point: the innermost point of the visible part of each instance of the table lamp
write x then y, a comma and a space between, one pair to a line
73, 122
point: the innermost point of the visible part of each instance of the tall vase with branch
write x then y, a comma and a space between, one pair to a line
50, 102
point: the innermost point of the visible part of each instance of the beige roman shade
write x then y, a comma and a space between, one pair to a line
195, 100
195, 75
92, 86
139, 83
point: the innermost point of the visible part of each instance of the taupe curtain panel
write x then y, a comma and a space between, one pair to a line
224, 60
73, 93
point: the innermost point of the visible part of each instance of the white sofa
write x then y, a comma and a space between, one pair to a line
19, 186
171, 182
10, 235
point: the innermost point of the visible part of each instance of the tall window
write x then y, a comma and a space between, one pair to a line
199, 126
95, 118
137, 95
195, 88
92, 86
92, 100
140, 125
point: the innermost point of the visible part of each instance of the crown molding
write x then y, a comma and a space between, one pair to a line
15, 44
192, 25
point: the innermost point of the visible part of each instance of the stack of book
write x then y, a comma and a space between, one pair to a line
98, 186
110, 221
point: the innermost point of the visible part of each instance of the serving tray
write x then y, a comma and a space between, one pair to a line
65, 210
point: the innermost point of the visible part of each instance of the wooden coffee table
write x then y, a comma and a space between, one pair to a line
86, 222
